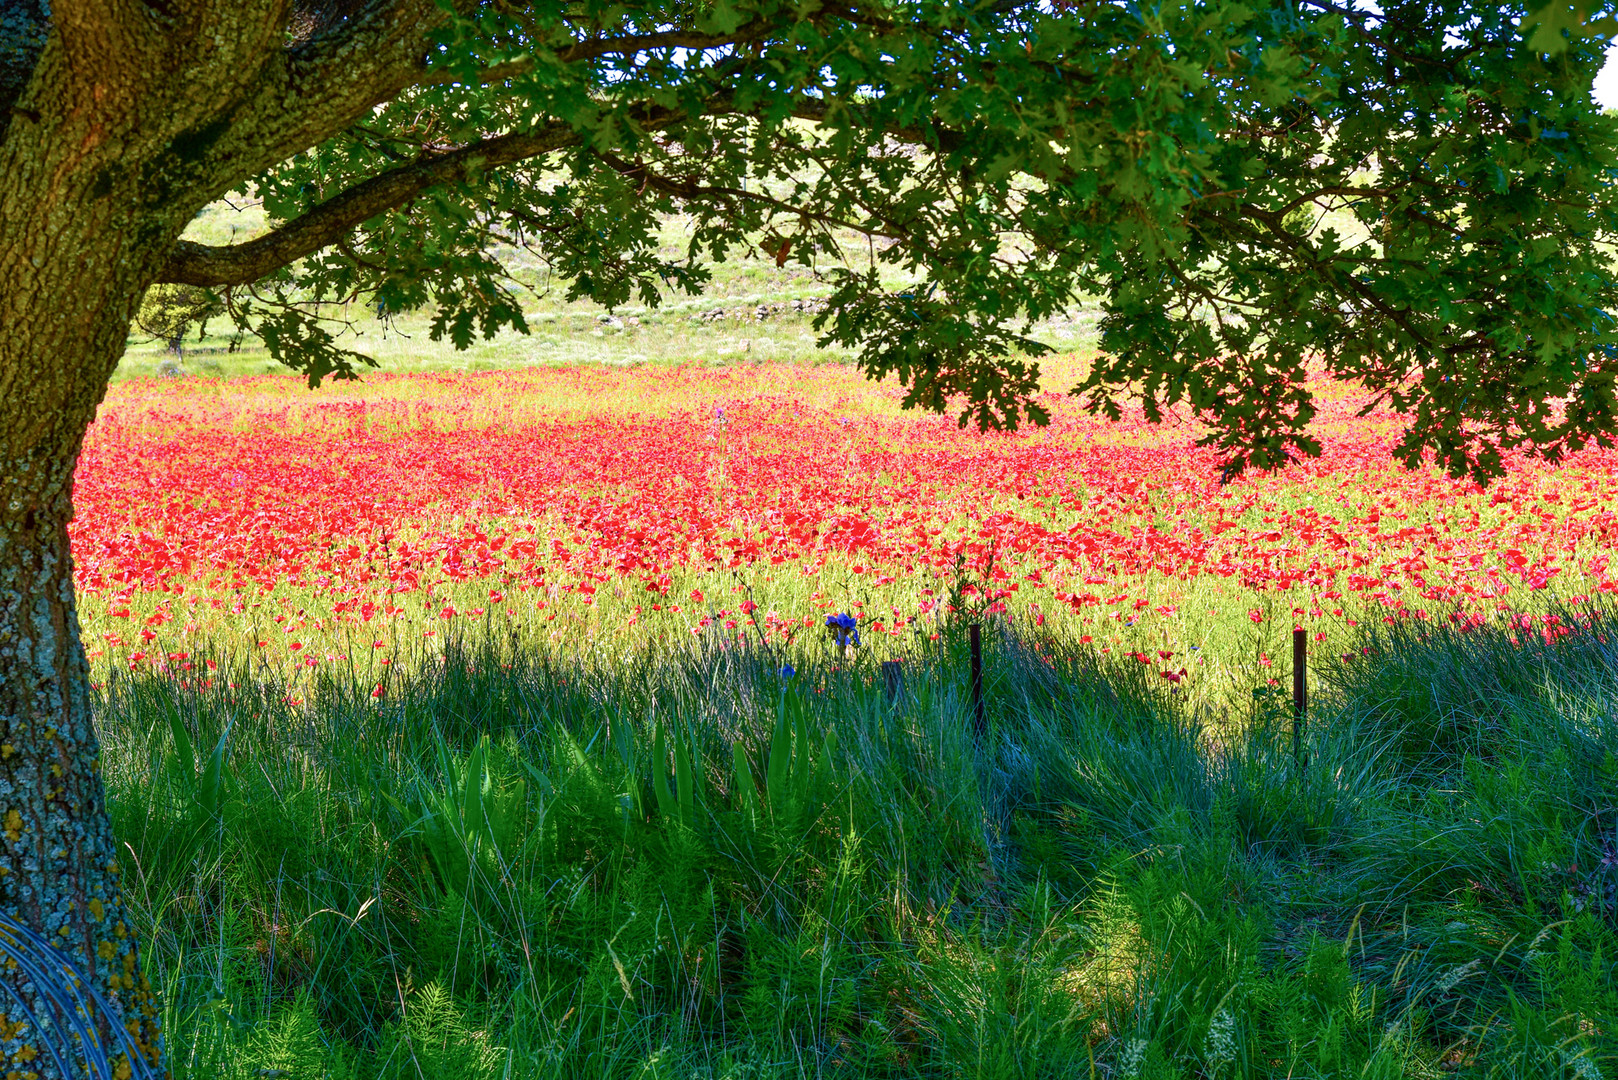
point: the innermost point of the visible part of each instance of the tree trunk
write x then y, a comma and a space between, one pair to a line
92, 200
58, 858
78, 244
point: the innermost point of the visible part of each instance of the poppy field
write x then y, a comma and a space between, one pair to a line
590, 504
527, 723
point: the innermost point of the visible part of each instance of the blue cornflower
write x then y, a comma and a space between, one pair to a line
787, 671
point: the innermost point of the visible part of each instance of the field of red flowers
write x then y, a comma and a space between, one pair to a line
311, 527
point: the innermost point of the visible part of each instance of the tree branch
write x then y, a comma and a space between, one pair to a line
595, 49
324, 83
667, 39
694, 192
522, 65
323, 225
935, 137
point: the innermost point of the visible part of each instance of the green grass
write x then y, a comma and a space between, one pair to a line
530, 859
716, 329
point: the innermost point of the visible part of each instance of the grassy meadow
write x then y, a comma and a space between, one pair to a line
751, 311
674, 862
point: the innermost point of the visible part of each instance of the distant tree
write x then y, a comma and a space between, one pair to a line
168, 312
1412, 197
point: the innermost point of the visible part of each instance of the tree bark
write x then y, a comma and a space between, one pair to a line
91, 200
58, 860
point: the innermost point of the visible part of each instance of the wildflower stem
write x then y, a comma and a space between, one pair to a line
979, 725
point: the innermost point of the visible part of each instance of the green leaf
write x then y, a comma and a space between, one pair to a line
1203, 170
746, 788
778, 768
723, 16
685, 781
211, 790
185, 757
828, 754
474, 786
542, 782
802, 793
666, 803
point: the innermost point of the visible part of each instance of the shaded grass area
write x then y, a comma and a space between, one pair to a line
676, 863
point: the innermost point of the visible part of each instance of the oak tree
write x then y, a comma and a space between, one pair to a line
1416, 197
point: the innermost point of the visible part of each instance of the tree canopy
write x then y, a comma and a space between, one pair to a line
1415, 198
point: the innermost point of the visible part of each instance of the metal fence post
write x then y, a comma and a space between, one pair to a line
1300, 690
893, 683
